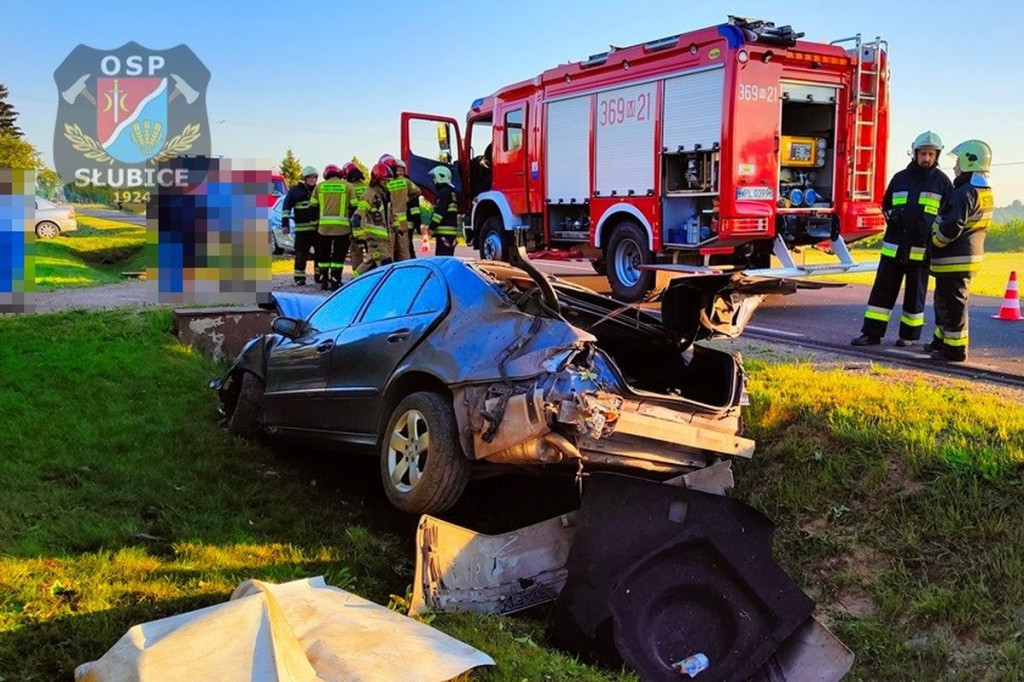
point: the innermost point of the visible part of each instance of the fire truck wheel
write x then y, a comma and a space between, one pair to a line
627, 251
492, 240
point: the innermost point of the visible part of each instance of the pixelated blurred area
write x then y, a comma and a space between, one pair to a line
17, 240
207, 236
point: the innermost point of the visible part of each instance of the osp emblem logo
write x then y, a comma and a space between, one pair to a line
121, 112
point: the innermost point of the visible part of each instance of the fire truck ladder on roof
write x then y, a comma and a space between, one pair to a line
867, 85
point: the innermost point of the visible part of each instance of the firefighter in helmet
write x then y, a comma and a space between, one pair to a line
354, 176
403, 192
957, 247
913, 198
412, 211
373, 218
443, 222
305, 223
334, 197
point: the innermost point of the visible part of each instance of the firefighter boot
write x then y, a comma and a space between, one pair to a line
948, 354
866, 340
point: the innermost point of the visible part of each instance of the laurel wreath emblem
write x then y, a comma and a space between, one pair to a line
89, 147
181, 142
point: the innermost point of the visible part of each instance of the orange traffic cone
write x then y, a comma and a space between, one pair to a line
1010, 310
424, 244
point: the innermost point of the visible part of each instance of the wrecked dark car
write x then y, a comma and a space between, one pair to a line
439, 365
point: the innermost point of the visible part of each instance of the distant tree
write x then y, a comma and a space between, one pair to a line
18, 153
48, 183
291, 169
8, 115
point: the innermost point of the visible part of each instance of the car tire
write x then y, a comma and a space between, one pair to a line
493, 245
423, 475
600, 266
627, 250
245, 419
47, 229
275, 248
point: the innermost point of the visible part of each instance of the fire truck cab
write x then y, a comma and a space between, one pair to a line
714, 149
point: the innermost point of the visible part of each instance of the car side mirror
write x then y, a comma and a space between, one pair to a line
287, 327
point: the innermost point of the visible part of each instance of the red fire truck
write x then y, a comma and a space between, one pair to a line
717, 148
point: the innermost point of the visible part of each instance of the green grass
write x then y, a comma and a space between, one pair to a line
990, 281
897, 505
96, 253
896, 499
125, 501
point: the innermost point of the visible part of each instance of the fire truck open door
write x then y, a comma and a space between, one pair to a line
429, 141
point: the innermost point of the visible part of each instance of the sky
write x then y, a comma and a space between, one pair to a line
330, 79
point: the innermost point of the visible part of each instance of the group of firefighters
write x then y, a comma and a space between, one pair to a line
937, 227
373, 222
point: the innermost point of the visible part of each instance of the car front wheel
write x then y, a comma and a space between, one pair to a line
245, 419
422, 464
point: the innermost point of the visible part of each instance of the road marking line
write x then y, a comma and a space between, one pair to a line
765, 330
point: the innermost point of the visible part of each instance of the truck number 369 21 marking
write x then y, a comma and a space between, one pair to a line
754, 93
617, 110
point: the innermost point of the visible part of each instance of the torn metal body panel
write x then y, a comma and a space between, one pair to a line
460, 570
811, 654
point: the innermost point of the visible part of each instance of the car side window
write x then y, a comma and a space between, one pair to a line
341, 309
395, 296
431, 297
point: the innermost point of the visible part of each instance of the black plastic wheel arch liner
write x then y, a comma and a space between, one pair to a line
658, 573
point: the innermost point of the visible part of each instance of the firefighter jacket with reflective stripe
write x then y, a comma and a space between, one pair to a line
404, 194
958, 235
304, 215
444, 221
912, 200
335, 199
374, 213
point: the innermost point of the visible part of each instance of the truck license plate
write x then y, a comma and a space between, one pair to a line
755, 193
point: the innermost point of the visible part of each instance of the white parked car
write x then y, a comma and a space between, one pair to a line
279, 241
53, 220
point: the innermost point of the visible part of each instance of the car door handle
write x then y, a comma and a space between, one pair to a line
325, 346
400, 335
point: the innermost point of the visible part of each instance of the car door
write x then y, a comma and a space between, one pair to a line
297, 369
403, 309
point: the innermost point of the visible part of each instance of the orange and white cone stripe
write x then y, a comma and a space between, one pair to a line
1010, 309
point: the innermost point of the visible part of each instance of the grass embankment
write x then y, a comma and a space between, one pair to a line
96, 253
990, 281
897, 505
125, 501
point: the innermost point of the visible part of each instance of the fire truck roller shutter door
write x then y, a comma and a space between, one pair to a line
568, 150
624, 126
692, 111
